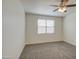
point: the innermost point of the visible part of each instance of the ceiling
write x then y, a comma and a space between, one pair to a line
42, 7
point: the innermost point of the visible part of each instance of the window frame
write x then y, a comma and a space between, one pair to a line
46, 26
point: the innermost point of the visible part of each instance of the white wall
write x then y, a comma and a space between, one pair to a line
13, 29
70, 27
31, 29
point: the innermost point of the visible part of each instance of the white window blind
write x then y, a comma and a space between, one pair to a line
46, 26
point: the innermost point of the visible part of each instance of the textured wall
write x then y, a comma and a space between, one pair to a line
70, 28
33, 37
13, 29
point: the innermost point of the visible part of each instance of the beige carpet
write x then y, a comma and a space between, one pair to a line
57, 50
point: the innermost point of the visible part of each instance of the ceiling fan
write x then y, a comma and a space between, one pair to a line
62, 7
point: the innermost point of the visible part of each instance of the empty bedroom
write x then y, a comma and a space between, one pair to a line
39, 29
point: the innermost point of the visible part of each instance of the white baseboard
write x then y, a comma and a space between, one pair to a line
70, 43
41, 42
7, 57
21, 51
13, 57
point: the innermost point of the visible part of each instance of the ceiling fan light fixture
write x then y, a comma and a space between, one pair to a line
62, 9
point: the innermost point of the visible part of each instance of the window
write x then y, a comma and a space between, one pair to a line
45, 26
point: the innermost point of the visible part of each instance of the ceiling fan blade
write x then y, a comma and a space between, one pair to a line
62, 0
54, 5
73, 5
55, 10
